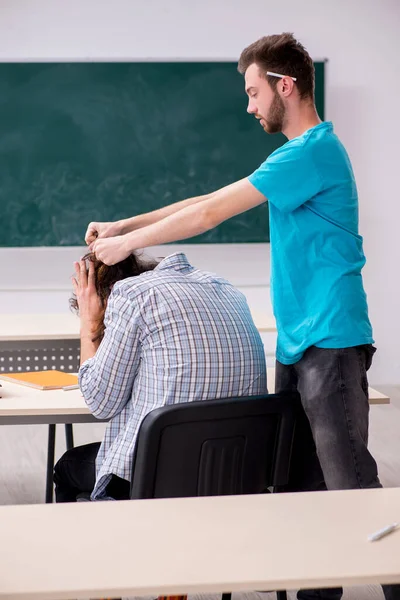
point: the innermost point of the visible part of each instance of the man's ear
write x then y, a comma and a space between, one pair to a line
287, 86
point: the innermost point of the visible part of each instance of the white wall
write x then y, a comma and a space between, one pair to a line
359, 37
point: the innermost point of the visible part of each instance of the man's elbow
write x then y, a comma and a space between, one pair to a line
101, 413
98, 407
103, 406
96, 401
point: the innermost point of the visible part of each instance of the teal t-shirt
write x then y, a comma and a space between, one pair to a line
316, 251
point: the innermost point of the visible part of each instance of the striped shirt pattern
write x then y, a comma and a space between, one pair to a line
174, 334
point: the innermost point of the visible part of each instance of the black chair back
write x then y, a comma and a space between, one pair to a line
219, 447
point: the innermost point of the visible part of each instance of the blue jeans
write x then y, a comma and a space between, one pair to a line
331, 446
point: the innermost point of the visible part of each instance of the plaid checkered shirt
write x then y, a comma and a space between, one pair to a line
174, 334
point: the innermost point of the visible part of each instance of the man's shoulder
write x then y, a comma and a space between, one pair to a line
132, 287
317, 136
140, 285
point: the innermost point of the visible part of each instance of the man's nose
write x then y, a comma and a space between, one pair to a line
251, 108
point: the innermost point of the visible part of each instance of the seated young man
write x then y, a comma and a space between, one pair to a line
152, 334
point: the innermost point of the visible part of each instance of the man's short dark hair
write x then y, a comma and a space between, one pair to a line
281, 54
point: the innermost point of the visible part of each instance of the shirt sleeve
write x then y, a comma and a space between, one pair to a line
288, 178
107, 379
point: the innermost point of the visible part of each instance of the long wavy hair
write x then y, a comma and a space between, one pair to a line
106, 277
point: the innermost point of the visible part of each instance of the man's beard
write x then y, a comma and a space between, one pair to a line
276, 115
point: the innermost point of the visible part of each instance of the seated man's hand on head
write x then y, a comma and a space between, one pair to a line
93, 285
91, 306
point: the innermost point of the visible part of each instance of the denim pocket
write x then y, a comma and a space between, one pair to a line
370, 351
365, 355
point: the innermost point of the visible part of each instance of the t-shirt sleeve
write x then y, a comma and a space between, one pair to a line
288, 178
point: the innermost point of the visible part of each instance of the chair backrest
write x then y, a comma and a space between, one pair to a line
219, 447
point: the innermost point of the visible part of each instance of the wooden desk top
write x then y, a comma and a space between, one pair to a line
263, 321
198, 545
20, 327
19, 402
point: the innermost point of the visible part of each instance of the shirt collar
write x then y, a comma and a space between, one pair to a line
176, 261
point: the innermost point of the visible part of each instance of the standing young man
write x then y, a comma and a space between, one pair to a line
324, 345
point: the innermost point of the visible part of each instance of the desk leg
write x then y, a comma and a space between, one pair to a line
50, 463
69, 436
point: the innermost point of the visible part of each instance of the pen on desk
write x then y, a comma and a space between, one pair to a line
374, 537
71, 387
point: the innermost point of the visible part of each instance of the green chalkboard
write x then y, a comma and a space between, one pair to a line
102, 141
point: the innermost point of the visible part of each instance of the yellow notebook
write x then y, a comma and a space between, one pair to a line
42, 380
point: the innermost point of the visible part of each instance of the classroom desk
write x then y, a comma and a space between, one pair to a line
45, 327
263, 321
23, 405
39, 342
53, 341
198, 545
65, 326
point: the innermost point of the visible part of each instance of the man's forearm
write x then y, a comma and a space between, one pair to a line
88, 347
128, 225
194, 219
197, 218
187, 223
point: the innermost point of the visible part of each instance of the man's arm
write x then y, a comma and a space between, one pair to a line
106, 380
191, 220
97, 230
88, 346
90, 307
140, 221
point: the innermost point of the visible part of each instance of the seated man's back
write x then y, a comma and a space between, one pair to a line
173, 334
